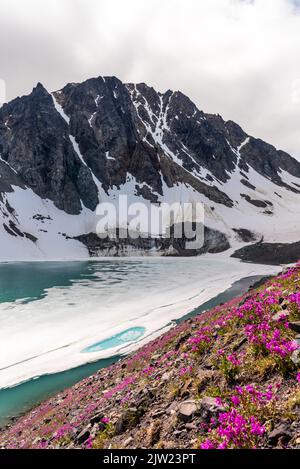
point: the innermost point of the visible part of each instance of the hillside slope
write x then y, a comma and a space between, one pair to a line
62, 153
229, 378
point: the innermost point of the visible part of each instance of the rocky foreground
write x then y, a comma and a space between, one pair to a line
229, 378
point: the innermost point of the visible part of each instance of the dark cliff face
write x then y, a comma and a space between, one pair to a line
127, 129
159, 139
34, 141
268, 162
102, 119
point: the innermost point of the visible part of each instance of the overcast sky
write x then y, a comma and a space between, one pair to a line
238, 58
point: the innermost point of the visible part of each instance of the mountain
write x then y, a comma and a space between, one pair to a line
64, 152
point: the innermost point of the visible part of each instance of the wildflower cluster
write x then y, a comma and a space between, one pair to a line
270, 339
201, 339
241, 425
229, 364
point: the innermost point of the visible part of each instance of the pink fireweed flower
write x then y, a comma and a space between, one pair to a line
202, 337
256, 427
62, 431
232, 358
219, 401
295, 298
236, 401
185, 371
149, 370
207, 444
89, 443
223, 445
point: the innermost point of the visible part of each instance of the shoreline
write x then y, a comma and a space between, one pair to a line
178, 391
29, 394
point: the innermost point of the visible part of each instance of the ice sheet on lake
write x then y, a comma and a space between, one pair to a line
48, 335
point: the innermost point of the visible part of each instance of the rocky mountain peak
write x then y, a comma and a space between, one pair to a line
91, 141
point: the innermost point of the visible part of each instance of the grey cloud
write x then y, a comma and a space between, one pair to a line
236, 58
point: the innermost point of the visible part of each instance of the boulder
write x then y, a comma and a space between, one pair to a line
295, 326
84, 435
128, 441
281, 315
128, 419
281, 432
97, 418
210, 408
187, 410
296, 357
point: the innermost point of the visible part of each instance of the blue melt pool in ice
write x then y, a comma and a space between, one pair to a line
130, 335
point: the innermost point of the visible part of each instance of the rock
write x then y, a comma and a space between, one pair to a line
191, 426
150, 392
178, 432
269, 253
297, 341
210, 408
172, 409
280, 316
187, 410
166, 376
96, 418
281, 432
128, 441
128, 419
158, 413
36, 441
296, 357
155, 356
143, 404
239, 344
181, 341
295, 326
84, 435
153, 433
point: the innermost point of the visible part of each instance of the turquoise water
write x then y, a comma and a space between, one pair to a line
30, 281
17, 400
130, 335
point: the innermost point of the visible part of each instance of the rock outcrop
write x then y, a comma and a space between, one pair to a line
90, 142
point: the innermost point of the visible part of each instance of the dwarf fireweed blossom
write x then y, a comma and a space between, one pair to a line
201, 339
295, 298
232, 358
149, 370
120, 387
184, 371
234, 430
62, 431
238, 427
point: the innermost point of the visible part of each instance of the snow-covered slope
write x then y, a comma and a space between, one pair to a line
62, 154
